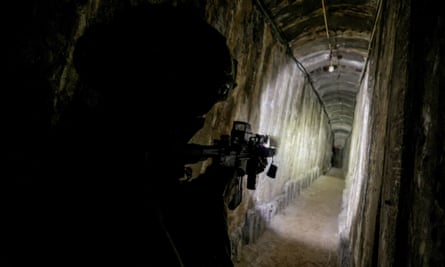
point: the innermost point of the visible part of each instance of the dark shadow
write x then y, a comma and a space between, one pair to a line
104, 187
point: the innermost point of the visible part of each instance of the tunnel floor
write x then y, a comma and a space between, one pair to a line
305, 233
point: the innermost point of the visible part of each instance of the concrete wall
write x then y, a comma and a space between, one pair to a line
274, 96
420, 225
393, 210
359, 221
356, 173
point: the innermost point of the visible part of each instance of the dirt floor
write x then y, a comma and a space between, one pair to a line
305, 233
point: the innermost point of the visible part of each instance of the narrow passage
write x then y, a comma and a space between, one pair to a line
305, 233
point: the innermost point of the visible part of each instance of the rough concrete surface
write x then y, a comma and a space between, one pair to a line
305, 233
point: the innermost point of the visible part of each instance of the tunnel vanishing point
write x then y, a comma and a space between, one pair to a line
102, 96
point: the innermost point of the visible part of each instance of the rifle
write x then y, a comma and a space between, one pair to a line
243, 151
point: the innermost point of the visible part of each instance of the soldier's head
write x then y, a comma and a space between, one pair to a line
153, 65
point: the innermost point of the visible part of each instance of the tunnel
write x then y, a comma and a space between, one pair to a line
224, 133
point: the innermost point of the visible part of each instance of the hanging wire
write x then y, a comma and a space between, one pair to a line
327, 30
331, 67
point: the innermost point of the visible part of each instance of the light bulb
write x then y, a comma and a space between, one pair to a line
331, 68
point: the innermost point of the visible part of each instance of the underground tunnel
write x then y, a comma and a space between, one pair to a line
225, 133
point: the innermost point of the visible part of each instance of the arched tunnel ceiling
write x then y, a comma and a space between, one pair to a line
301, 25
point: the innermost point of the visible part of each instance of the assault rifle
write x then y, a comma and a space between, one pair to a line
243, 151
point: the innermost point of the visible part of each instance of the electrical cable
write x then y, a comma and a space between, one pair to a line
371, 39
173, 247
331, 67
326, 26
285, 42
